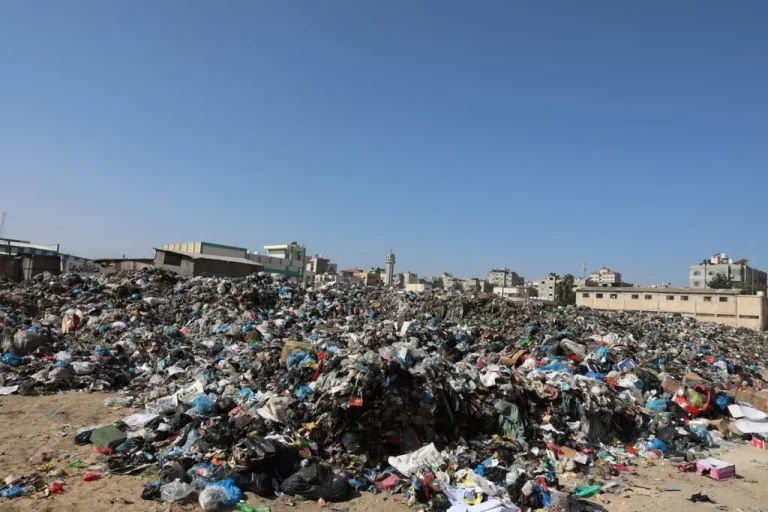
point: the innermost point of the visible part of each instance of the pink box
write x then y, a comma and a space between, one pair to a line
759, 443
715, 468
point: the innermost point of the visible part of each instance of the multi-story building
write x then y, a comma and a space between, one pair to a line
729, 307
286, 259
371, 278
740, 274
504, 277
605, 277
546, 287
410, 278
319, 265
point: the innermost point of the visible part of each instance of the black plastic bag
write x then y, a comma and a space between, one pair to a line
268, 456
83, 438
257, 483
151, 492
315, 482
173, 471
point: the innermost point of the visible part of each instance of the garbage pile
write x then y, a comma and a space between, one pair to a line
459, 401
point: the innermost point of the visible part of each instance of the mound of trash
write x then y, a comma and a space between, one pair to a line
461, 401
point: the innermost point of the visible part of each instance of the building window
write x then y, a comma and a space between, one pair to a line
298, 256
683, 297
670, 297
723, 299
585, 295
648, 297
599, 295
696, 272
707, 299
171, 259
614, 295
710, 273
697, 283
635, 297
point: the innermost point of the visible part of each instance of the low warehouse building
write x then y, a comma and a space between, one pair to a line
728, 307
188, 264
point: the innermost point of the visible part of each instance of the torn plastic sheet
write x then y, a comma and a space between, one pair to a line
407, 463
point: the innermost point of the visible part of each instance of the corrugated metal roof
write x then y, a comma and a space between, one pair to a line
197, 256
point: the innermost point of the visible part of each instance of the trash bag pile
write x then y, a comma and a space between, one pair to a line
459, 401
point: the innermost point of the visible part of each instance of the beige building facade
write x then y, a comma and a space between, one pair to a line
728, 307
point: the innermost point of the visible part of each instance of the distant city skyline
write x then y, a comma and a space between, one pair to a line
466, 136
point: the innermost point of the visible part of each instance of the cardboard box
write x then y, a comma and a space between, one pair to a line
670, 385
715, 468
758, 399
513, 360
292, 346
721, 424
690, 379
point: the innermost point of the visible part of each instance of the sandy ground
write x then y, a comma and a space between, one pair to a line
28, 424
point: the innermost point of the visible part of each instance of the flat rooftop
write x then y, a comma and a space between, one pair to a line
615, 289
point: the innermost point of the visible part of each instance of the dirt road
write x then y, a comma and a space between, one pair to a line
28, 424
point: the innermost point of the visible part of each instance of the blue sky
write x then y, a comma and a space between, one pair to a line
465, 135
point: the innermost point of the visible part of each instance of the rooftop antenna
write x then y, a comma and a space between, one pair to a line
2, 226
584, 270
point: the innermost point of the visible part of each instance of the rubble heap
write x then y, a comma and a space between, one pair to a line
455, 399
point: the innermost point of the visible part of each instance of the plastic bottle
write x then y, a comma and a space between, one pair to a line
244, 507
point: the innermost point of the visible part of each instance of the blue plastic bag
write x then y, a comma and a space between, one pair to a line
223, 494
12, 492
658, 404
657, 444
303, 392
11, 359
202, 404
722, 401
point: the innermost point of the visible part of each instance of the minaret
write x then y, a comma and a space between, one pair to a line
390, 261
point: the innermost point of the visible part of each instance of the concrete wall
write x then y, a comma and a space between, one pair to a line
734, 310
219, 268
189, 267
417, 287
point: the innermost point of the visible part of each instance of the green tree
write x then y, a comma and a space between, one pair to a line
564, 292
720, 282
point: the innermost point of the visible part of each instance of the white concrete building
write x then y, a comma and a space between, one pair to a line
605, 277
287, 259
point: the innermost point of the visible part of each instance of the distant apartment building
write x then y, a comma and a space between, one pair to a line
605, 277
546, 287
286, 259
320, 265
370, 278
729, 307
739, 272
504, 277
410, 278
